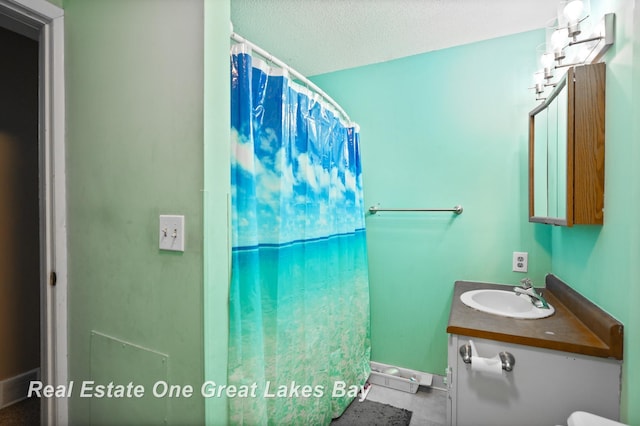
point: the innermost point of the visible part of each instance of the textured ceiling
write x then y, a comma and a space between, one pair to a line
318, 36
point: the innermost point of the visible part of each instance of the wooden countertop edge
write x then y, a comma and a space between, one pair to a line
602, 352
606, 333
603, 325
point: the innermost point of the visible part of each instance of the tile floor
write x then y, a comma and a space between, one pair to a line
428, 404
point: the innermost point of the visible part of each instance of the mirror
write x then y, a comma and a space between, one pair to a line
549, 155
566, 150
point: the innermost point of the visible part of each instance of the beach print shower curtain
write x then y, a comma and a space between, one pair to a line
299, 341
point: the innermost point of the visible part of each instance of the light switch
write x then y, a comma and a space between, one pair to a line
172, 232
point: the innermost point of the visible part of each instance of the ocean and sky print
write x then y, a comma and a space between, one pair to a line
299, 298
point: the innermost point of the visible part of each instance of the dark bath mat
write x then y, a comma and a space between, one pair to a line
372, 413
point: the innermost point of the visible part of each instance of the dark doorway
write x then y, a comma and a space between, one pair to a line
20, 249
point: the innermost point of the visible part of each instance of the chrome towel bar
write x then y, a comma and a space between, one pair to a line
376, 209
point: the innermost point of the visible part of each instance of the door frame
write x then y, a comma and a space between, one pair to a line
44, 22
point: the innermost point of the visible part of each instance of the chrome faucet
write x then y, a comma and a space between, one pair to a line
527, 289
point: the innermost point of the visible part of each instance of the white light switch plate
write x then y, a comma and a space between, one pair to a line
172, 232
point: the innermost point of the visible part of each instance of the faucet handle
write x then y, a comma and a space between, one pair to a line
526, 283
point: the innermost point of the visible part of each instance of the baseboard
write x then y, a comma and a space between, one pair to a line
14, 389
439, 382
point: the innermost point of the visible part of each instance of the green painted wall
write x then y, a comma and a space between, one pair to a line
56, 2
601, 262
217, 174
439, 129
134, 72
449, 127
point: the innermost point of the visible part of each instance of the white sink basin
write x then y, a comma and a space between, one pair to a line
504, 303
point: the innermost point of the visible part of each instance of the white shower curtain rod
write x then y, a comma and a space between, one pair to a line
269, 57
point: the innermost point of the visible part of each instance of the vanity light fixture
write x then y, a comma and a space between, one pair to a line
538, 85
548, 65
571, 13
563, 47
538, 80
557, 40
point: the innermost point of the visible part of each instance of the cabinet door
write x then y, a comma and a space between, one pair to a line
544, 387
541, 171
561, 157
557, 158
588, 143
552, 159
548, 159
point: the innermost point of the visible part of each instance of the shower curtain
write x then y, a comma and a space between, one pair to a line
299, 341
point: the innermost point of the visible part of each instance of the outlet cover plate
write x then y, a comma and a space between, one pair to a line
171, 232
520, 261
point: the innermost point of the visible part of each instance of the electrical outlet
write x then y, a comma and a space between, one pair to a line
171, 232
520, 261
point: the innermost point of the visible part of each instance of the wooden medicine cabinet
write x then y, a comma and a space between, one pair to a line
566, 150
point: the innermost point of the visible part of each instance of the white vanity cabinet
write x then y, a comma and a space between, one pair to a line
570, 361
544, 387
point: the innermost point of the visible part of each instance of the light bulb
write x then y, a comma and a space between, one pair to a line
547, 63
557, 40
573, 10
538, 80
547, 60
